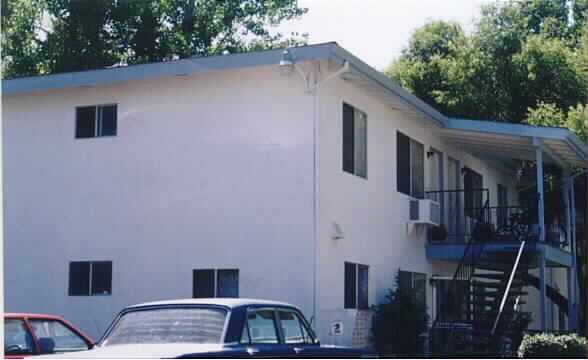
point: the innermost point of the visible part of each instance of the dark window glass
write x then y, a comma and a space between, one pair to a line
348, 139
86, 122
473, 193
203, 283
79, 278
108, 119
227, 283
417, 164
64, 338
362, 274
350, 286
415, 283
403, 163
405, 280
102, 278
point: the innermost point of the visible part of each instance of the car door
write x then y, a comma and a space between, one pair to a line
53, 336
296, 335
260, 334
18, 341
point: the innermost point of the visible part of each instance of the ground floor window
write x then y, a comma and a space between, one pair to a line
90, 278
215, 283
416, 282
356, 286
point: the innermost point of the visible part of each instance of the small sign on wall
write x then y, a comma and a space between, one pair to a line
337, 328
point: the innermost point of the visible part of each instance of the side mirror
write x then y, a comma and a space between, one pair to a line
46, 345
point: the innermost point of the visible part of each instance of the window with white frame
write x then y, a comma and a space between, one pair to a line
96, 121
356, 286
88, 278
410, 166
215, 283
354, 141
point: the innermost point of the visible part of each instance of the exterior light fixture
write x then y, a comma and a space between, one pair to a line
286, 63
430, 154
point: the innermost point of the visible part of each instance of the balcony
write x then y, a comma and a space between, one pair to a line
468, 218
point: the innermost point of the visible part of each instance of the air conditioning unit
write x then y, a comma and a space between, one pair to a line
425, 211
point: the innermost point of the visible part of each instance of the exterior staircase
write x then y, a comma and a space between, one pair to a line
494, 325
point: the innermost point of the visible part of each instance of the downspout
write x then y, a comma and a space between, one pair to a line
316, 126
314, 90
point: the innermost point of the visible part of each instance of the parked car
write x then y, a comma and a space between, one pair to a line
209, 328
34, 334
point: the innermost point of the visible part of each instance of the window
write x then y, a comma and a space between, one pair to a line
472, 183
260, 327
64, 338
17, 339
90, 278
293, 328
354, 141
95, 121
410, 166
502, 205
416, 282
215, 283
356, 286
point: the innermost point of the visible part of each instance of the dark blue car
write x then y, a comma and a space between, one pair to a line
208, 328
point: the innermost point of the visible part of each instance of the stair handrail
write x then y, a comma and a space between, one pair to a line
508, 286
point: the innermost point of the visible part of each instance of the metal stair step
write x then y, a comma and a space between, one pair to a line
499, 293
496, 285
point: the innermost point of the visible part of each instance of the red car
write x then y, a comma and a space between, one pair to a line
32, 334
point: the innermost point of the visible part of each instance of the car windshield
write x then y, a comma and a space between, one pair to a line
168, 326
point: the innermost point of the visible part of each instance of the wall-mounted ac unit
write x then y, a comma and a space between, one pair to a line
425, 211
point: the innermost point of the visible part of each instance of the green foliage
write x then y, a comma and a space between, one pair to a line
48, 36
520, 54
552, 346
398, 322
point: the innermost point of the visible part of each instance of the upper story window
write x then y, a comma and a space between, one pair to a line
410, 166
90, 278
354, 141
95, 121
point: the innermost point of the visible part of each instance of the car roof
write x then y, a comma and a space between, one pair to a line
36, 316
227, 302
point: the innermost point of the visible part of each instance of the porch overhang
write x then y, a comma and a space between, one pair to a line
504, 141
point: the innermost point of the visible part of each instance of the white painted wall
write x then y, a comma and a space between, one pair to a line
212, 170
371, 213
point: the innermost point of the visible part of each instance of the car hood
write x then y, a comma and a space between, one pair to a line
138, 351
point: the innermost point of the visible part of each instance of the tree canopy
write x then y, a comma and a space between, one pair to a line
524, 59
50, 36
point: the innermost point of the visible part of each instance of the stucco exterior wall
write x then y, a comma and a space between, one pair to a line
371, 212
212, 170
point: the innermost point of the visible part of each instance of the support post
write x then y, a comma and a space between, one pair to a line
571, 273
541, 216
541, 207
542, 290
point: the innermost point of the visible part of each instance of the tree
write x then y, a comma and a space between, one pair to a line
399, 321
90, 34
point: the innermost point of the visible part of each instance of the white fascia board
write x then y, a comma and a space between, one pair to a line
341, 55
162, 69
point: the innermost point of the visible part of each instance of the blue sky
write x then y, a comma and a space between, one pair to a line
377, 30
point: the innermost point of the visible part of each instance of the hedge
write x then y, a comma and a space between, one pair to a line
552, 346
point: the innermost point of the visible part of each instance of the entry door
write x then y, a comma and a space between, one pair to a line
436, 178
453, 197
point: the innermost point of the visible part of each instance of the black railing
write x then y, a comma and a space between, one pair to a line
466, 221
449, 322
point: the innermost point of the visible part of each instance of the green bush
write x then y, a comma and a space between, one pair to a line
552, 346
398, 323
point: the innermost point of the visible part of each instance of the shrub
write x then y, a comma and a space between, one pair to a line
552, 346
398, 323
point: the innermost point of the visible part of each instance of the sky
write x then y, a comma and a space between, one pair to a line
377, 30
